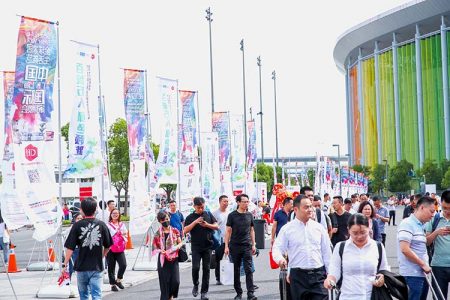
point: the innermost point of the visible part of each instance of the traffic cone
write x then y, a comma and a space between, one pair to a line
12, 262
129, 242
51, 252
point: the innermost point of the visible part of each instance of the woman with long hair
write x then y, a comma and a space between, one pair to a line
166, 243
357, 262
368, 211
116, 253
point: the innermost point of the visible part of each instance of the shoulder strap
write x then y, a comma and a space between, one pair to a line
380, 254
435, 222
341, 252
318, 215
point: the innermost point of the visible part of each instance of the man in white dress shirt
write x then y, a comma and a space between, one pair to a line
309, 250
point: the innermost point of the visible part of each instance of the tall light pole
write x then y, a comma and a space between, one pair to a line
208, 17
258, 62
339, 166
245, 100
385, 174
274, 77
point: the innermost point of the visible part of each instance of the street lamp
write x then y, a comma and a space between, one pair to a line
258, 62
339, 164
208, 17
274, 77
245, 100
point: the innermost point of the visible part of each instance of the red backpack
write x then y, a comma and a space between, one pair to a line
119, 244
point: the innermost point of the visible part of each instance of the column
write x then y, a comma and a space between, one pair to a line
396, 98
377, 97
419, 99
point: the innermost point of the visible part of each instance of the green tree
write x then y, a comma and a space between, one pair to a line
432, 172
119, 158
65, 134
398, 179
311, 177
445, 184
264, 173
445, 165
362, 169
377, 177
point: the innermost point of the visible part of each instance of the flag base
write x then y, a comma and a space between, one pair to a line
146, 266
43, 266
58, 292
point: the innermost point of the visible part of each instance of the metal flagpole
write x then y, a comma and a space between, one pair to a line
199, 144
106, 144
149, 145
178, 151
101, 134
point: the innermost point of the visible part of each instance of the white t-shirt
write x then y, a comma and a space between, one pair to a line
2, 229
221, 218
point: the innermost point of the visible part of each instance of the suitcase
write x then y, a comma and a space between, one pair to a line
435, 287
285, 288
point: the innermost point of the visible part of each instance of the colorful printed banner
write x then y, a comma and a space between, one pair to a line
85, 153
12, 208
134, 98
221, 125
251, 146
210, 169
33, 97
238, 176
166, 164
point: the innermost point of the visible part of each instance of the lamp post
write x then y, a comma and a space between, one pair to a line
339, 164
208, 17
258, 62
348, 168
245, 100
385, 175
274, 77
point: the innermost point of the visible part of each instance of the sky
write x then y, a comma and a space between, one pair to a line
171, 39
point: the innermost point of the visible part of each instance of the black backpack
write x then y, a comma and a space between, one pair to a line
434, 225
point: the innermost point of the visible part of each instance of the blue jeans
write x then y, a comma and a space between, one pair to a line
418, 288
5, 248
90, 282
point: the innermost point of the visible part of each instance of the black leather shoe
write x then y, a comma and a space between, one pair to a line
114, 288
204, 296
238, 297
251, 297
195, 291
218, 282
120, 285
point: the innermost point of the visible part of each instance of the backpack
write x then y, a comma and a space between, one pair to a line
318, 215
434, 225
118, 245
341, 252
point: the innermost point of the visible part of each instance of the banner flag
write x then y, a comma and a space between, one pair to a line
33, 98
141, 213
252, 155
11, 207
210, 169
221, 125
167, 162
189, 159
85, 153
238, 175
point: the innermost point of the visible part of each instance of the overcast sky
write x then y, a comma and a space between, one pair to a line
171, 39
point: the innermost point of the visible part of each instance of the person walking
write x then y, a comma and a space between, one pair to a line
438, 236
4, 239
200, 224
357, 262
281, 217
66, 212
77, 217
94, 240
409, 209
176, 217
221, 215
116, 254
392, 210
167, 243
412, 250
339, 220
381, 217
309, 250
367, 210
240, 245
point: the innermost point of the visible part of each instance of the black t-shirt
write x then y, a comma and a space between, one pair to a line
240, 224
341, 223
91, 236
201, 237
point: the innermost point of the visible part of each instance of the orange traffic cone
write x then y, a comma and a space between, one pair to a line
129, 242
12, 263
51, 252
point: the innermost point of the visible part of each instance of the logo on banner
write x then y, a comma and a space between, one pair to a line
31, 152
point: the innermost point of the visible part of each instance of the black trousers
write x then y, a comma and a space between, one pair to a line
113, 258
238, 255
169, 279
219, 255
383, 239
392, 217
442, 275
205, 257
308, 284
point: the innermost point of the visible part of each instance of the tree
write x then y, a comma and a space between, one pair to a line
264, 173
119, 159
377, 177
445, 184
398, 179
445, 165
65, 134
362, 169
433, 174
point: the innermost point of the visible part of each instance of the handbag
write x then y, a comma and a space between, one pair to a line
182, 254
119, 244
226, 272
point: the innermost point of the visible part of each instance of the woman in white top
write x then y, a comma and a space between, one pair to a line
358, 266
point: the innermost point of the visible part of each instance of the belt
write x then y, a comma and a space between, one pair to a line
308, 271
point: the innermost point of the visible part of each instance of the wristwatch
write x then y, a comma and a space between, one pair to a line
63, 265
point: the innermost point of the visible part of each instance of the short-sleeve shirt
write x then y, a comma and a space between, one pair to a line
201, 237
240, 224
282, 218
441, 257
412, 231
382, 211
91, 236
340, 222
221, 217
176, 220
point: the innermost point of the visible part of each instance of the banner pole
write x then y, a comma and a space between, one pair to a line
178, 152
149, 145
200, 163
102, 138
105, 130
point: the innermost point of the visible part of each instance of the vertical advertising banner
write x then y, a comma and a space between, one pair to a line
210, 169
12, 208
167, 163
189, 159
85, 152
251, 151
141, 209
238, 174
221, 125
33, 98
